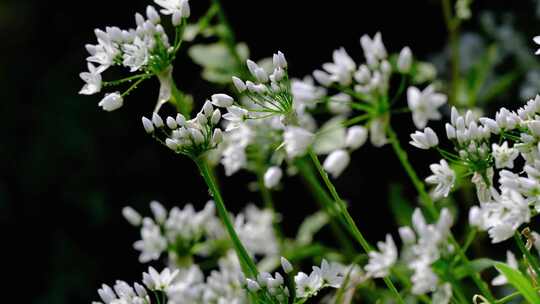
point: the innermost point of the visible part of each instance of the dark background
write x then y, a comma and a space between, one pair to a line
67, 168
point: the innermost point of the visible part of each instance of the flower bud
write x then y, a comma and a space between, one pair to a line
239, 84
272, 176
404, 61
111, 102
356, 137
171, 123
148, 125
132, 216
286, 265
156, 119
222, 100
336, 162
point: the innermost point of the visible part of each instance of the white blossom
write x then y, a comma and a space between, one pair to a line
443, 177
424, 140
92, 80
504, 156
424, 105
356, 137
154, 280
380, 262
297, 140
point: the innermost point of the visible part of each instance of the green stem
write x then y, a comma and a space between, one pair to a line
228, 36
340, 206
532, 261
511, 296
326, 203
266, 196
248, 265
452, 25
432, 210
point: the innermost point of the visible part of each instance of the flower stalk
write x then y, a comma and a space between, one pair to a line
248, 265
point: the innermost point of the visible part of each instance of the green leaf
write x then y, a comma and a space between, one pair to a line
401, 208
331, 136
477, 266
310, 226
519, 281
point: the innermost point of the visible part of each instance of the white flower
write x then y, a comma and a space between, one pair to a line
356, 137
331, 274
307, 286
236, 116
504, 156
152, 242
177, 8
92, 79
512, 262
136, 54
297, 140
380, 262
336, 162
537, 41
374, 49
111, 102
424, 140
404, 61
340, 70
424, 105
443, 177
159, 281
272, 176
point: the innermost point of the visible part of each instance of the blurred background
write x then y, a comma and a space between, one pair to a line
67, 167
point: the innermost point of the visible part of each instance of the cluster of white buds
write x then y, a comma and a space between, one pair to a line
191, 137
270, 94
145, 48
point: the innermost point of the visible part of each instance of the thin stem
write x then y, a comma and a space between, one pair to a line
248, 265
452, 25
326, 203
340, 206
228, 36
266, 196
432, 210
511, 296
532, 261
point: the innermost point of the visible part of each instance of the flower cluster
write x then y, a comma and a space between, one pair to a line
145, 49
423, 245
122, 292
185, 232
485, 146
276, 287
191, 137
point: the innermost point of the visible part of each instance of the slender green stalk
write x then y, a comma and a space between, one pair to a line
340, 206
248, 265
452, 25
326, 203
510, 297
432, 210
532, 261
228, 36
